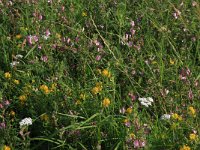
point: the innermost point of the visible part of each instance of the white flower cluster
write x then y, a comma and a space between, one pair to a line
146, 101
165, 117
25, 122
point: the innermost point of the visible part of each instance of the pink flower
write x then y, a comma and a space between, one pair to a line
6, 103
2, 125
1, 106
190, 95
32, 39
98, 57
136, 144
47, 33
44, 58
132, 96
132, 23
139, 143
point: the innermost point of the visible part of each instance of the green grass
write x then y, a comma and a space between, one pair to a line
83, 83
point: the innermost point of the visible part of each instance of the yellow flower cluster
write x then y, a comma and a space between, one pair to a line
193, 137
22, 98
185, 147
97, 89
106, 102
129, 110
7, 75
16, 82
106, 73
176, 117
45, 89
84, 14
12, 113
18, 36
6, 147
44, 117
192, 111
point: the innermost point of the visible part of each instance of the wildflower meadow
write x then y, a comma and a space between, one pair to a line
99, 75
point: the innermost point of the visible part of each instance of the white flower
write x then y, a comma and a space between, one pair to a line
165, 117
19, 56
14, 63
146, 101
25, 122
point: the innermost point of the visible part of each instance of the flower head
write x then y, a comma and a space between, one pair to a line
45, 89
185, 147
6, 147
106, 102
7, 75
146, 101
193, 137
165, 117
22, 98
25, 122
16, 81
129, 110
106, 73
191, 111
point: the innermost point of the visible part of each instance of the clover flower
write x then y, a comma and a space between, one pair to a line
25, 122
146, 101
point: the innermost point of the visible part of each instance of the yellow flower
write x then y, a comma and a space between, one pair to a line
78, 102
193, 136
45, 89
22, 98
175, 116
132, 135
6, 147
16, 81
97, 88
18, 36
129, 110
84, 14
12, 113
192, 111
174, 126
106, 102
125, 120
185, 147
7, 75
58, 36
44, 117
154, 62
82, 96
53, 87
171, 61
106, 73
